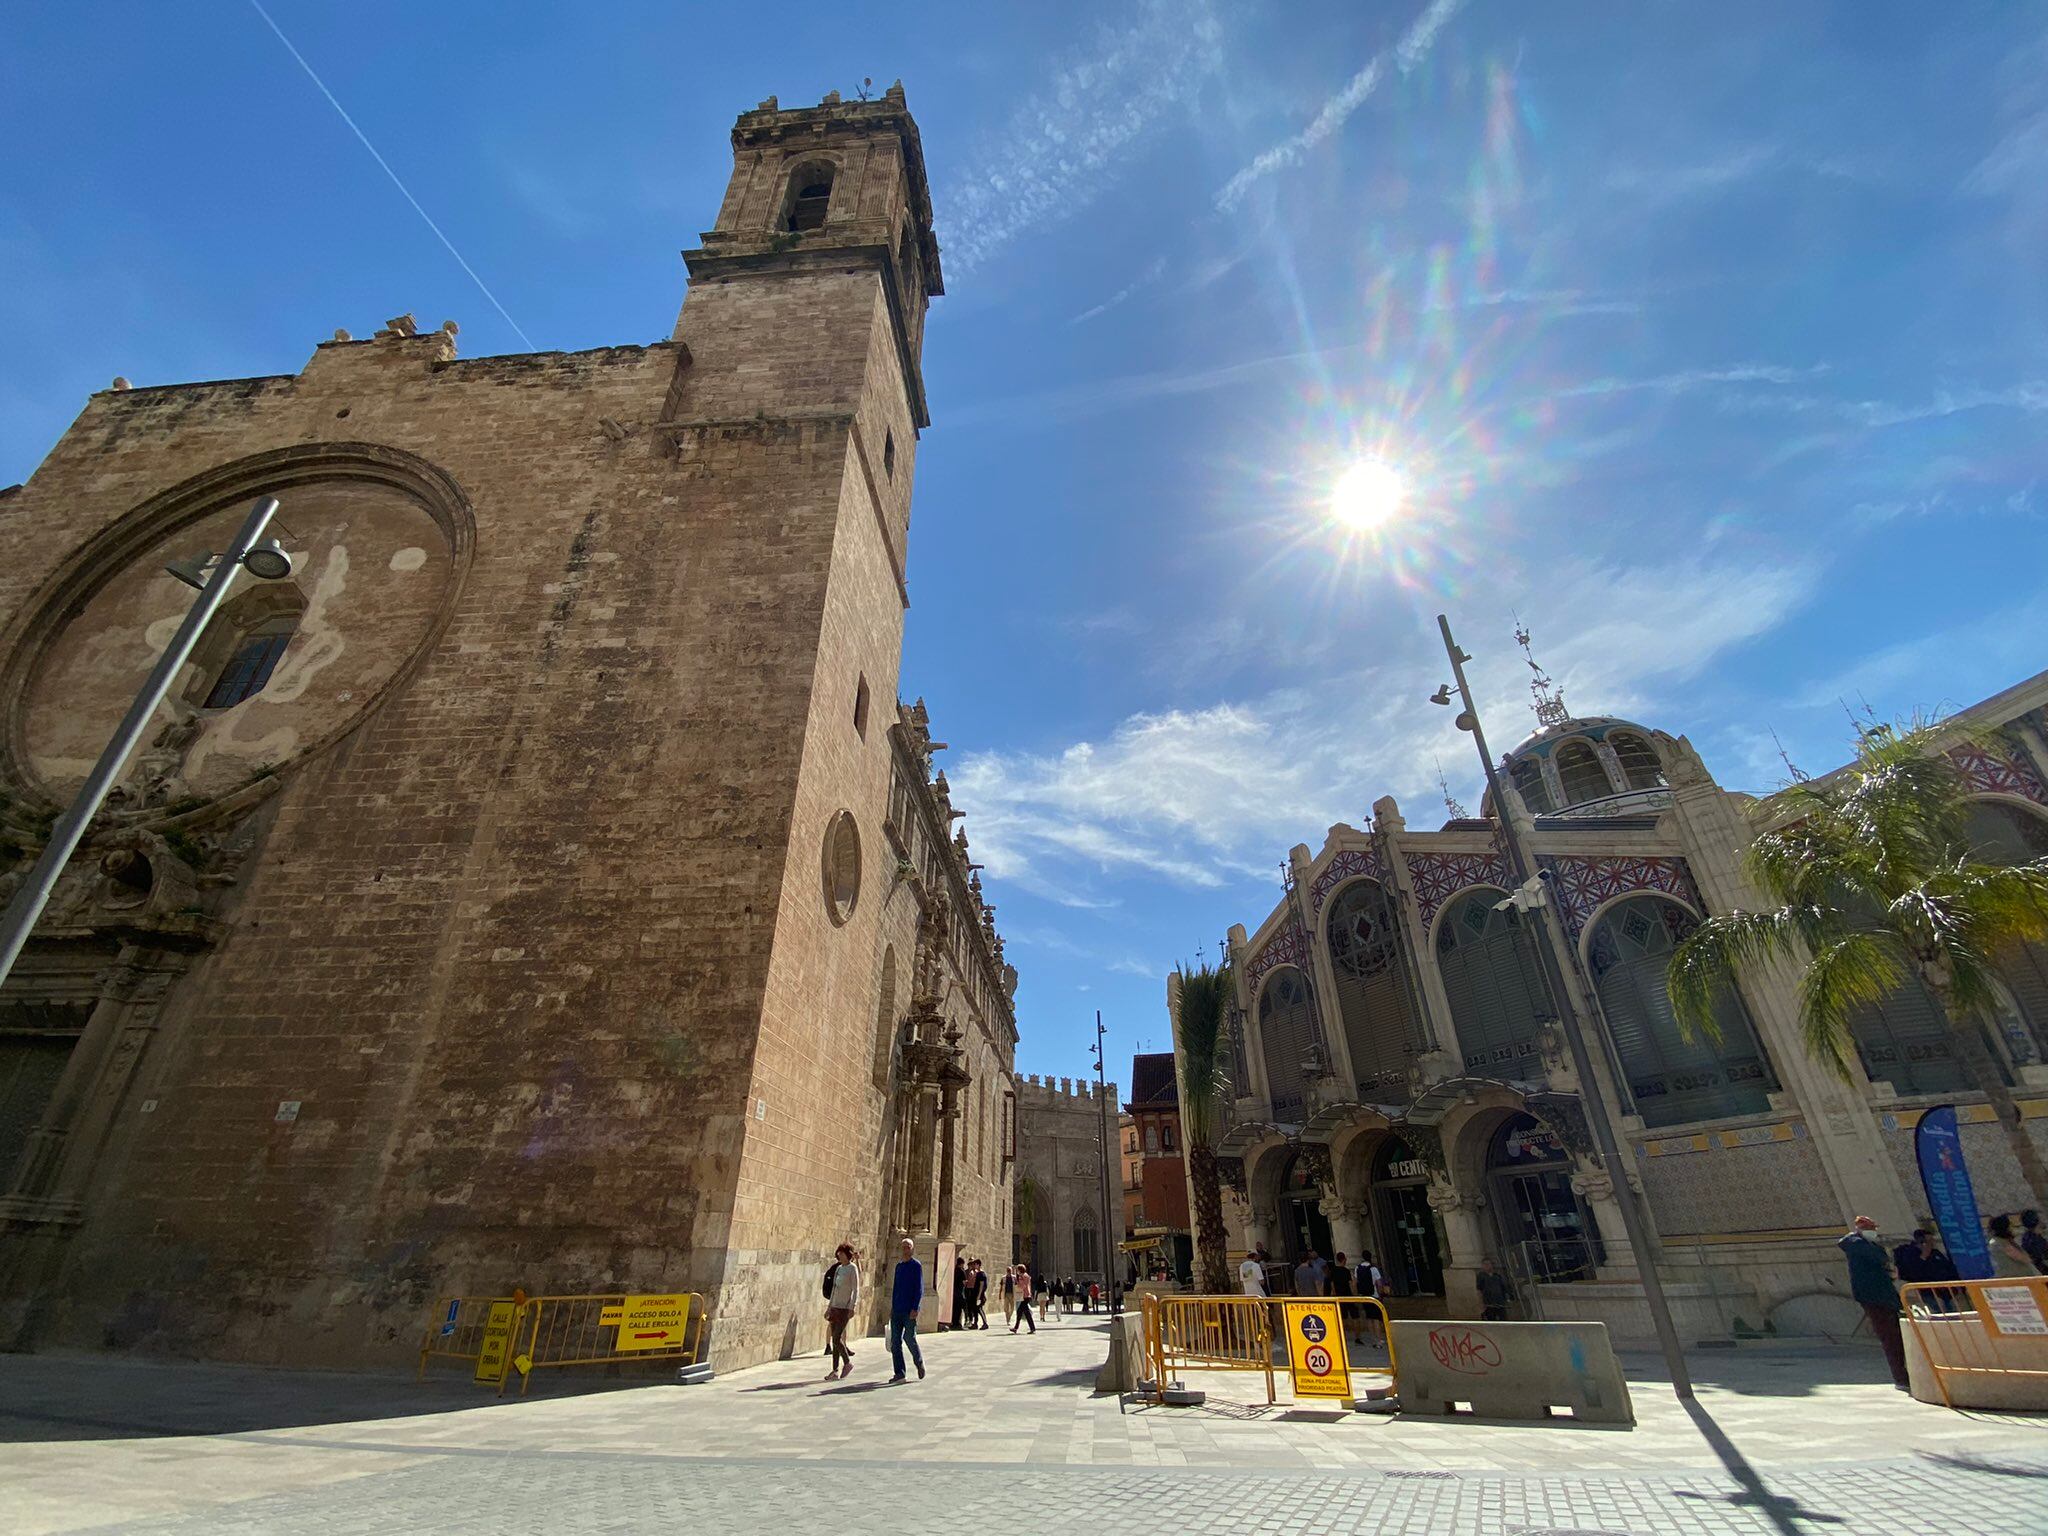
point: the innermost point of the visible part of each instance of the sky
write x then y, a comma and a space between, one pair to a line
1710, 342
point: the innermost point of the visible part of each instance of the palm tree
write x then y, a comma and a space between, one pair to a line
1200, 1043
1875, 879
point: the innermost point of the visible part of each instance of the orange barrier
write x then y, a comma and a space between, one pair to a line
1983, 1340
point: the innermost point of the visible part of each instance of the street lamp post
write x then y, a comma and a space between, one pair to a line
1568, 1016
263, 559
1102, 1140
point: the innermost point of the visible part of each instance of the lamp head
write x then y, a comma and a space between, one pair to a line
1442, 695
268, 561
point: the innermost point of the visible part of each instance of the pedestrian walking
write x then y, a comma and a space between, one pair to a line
1494, 1292
1023, 1284
1251, 1276
1871, 1287
2033, 1242
1371, 1281
2009, 1260
1094, 1297
842, 1296
959, 1320
1009, 1293
1308, 1280
906, 1295
980, 1296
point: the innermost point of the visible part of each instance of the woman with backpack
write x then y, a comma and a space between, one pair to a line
842, 1296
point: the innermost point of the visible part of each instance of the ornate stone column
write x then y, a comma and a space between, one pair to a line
1347, 1225
1461, 1222
1596, 1189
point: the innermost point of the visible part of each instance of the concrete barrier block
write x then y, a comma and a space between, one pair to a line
1125, 1367
2006, 1371
1510, 1370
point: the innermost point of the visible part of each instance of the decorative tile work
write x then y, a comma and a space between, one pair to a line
1992, 775
1740, 1189
1582, 884
1347, 865
1287, 947
1440, 876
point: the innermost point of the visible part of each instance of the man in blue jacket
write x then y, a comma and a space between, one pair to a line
1870, 1285
904, 1299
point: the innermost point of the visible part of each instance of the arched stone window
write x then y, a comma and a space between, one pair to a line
1498, 1002
1670, 1078
2005, 834
243, 644
1581, 774
1087, 1244
1372, 994
885, 1018
1287, 1035
1905, 1041
1527, 776
841, 866
1641, 768
810, 196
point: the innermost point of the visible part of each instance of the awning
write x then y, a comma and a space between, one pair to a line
1240, 1139
1434, 1103
1323, 1127
1137, 1244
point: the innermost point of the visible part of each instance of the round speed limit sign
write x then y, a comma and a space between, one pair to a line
1317, 1360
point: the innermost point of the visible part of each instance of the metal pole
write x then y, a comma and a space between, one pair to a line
65, 836
1589, 1086
1102, 1140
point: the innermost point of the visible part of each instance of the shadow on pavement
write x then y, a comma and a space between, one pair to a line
1769, 1370
1785, 1513
101, 1397
1965, 1462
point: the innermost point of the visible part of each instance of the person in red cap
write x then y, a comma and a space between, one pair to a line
1870, 1284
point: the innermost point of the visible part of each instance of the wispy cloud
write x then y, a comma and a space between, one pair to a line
1198, 798
2029, 397
1358, 90
1556, 301
1047, 407
1145, 279
1688, 379
1058, 148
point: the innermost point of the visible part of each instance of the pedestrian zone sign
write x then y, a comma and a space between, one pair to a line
492, 1357
652, 1322
1315, 1349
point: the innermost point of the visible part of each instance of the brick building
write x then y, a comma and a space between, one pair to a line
1163, 1230
541, 887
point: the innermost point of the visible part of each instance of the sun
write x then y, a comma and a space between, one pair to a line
1366, 495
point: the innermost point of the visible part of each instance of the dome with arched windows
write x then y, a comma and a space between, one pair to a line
1594, 765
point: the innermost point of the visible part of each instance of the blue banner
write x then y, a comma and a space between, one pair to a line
1953, 1203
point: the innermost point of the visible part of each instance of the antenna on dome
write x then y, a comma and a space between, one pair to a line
1549, 706
1457, 811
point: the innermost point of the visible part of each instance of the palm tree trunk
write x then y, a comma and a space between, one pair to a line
1214, 1278
1989, 1078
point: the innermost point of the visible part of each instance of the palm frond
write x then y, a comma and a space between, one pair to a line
1706, 961
1201, 1025
1853, 971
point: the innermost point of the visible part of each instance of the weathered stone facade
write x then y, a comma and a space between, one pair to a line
1062, 1126
533, 924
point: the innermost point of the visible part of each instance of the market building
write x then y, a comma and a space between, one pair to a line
1402, 1085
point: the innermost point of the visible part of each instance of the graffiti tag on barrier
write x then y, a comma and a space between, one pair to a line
1464, 1349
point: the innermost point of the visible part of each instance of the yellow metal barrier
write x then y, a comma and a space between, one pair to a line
615, 1328
1209, 1333
1984, 1330
1236, 1333
458, 1330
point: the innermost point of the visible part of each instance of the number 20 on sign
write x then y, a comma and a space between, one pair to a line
1315, 1349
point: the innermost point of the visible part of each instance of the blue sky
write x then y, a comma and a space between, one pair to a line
1710, 339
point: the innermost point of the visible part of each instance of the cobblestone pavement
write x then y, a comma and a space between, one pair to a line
1005, 1434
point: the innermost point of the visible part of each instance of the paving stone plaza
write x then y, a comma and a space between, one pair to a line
1006, 1433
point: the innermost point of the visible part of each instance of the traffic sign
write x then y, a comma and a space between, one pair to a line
1315, 1349
491, 1357
448, 1322
652, 1322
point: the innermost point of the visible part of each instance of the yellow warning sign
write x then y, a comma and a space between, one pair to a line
653, 1322
611, 1317
497, 1342
1315, 1349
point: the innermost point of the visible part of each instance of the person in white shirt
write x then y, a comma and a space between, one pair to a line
842, 1283
1252, 1276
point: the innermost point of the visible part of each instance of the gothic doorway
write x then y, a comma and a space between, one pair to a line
1408, 1251
1544, 1226
1302, 1222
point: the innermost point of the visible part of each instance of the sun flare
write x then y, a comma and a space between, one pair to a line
1366, 495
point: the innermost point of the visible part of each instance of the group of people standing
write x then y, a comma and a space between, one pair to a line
1921, 1261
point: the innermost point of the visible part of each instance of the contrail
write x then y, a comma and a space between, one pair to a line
1357, 91
386, 165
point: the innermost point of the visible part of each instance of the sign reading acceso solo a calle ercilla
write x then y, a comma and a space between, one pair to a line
1315, 1349
652, 1322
